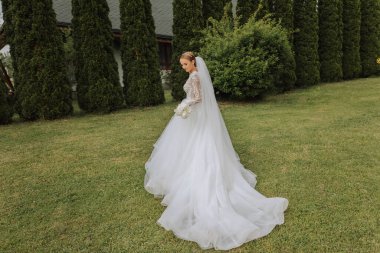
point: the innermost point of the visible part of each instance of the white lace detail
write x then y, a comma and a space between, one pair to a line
192, 88
210, 197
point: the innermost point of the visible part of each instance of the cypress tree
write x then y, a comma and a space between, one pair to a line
47, 62
351, 39
43, 90
282, 11
214, 8
306, 42
142, 80
370, 37
330, 40
187, 26
17, 16
153, 56
80, 75
9, 28
98, 84
6, 108
246, 8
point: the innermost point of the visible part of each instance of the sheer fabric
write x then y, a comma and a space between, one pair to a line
192, 88
210, 196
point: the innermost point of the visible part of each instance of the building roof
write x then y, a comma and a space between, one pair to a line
162, 13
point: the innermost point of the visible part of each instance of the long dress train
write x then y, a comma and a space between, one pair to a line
210, 196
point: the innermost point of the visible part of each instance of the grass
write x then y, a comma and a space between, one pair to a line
76, 185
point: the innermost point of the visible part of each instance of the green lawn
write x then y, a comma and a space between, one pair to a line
76, 185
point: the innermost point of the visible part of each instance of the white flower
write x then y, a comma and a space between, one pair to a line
186, 112
183, 110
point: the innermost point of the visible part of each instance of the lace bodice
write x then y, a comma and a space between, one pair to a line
192, 88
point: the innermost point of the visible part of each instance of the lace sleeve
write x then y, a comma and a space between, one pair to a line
196, 90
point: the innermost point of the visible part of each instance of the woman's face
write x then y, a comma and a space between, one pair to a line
188, 66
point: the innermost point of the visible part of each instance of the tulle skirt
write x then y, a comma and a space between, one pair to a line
210, 196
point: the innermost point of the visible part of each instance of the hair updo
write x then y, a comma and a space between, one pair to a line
189, 56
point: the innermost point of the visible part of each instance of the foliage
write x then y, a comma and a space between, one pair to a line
330, 40
96, 67
142, 81
246, 8
282, 11
68, 47
214, 9
248, 61
9, 31
305, 42
6, 105
351, 62
370, 37
187, 24
42, 88
7, 60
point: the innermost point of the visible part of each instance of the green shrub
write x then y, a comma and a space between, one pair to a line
187, 24
214, 9
370, 37
6, 108
98, 102
43, 90
94, 60
248, 61
351, 62
139, 54
245, 9
330, 40
305, 42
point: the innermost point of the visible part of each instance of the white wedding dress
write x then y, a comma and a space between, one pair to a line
210, 196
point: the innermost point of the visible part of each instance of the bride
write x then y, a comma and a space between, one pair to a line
210, 196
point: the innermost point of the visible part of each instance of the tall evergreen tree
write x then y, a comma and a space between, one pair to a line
330, 40
370, 37
43, 90
246, 8
214, 8
351, 39
6, 108
187, 25
282, 10
306, 42
9, 29
98, 84
142, 80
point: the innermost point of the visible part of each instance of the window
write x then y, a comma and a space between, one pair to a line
165, 52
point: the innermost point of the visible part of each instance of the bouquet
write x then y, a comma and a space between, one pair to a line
183, 110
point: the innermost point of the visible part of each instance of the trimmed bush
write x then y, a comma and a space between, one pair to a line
42, 88
246, 8
282, 11
142, 80
98, 83
305, 42
6, 108
351, 39
9, 29
187, 25
330, 40
248, 61
214, 9
370, 37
